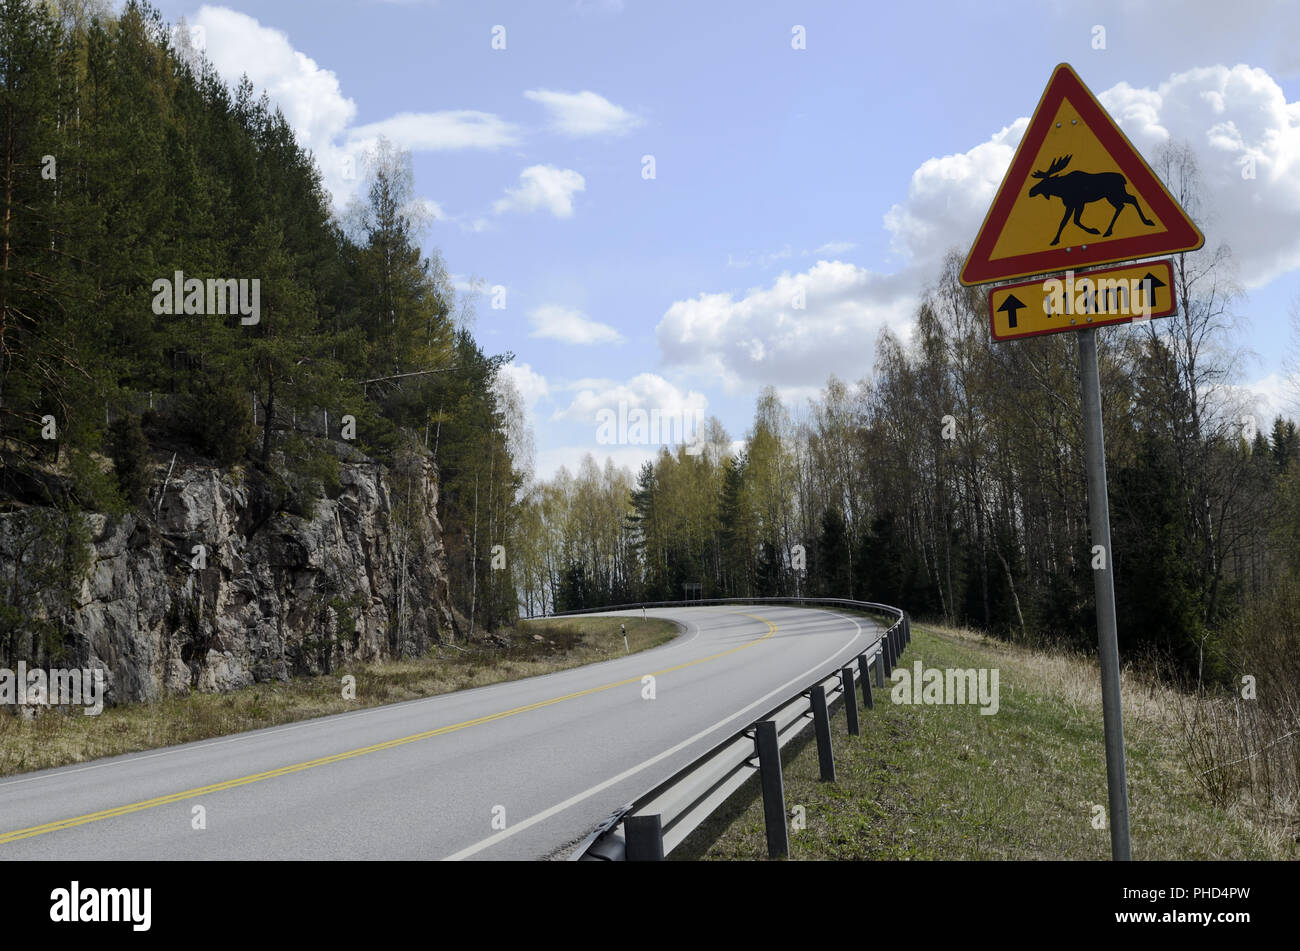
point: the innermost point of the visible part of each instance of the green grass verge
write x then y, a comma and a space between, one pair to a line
60, 737
946, 782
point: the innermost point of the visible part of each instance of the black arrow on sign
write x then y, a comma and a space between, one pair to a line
1149, 284
1011, 305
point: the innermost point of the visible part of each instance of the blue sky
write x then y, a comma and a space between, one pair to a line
843, 170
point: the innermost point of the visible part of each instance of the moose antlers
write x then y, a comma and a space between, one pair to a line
1055, 167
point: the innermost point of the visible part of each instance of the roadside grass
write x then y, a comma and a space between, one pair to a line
59, 737
947, 782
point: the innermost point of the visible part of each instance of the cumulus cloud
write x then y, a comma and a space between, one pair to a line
584, 113
1277, 394
570, 326
309, 94
314, 105
544, 188
766, 336
948, 196
647, 391
1236, 120
530, 384
1238, 123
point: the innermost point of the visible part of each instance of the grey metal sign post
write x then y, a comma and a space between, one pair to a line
1104, 585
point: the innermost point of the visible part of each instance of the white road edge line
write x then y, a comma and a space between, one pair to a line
600, 787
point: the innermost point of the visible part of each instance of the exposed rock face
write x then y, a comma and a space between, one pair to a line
221, 592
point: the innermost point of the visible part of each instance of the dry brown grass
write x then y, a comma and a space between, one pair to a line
60, 737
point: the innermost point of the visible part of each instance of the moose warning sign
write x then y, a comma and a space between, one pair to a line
1077, 194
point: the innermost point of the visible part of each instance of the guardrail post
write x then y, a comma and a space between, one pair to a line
822, 726
645, 838
886, 656
850, 700
907, 628
879, 664
864, 674
769, 771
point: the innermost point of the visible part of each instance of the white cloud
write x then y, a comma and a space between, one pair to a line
466, 285
1272, 396
763, 337
429, 208
647, 391
543, 187
309, 95
530, 384
314, 105
549, 461
797, 398
835, 247
584, 113
1229, 116
438, 131
948, 196
570, 326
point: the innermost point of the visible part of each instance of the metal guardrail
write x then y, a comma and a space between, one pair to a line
652, 825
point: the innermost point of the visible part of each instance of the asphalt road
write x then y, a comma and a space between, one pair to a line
519, 770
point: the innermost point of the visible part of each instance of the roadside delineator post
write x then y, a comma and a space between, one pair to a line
769, 771
850, 700
822, 726
864, 674
645, 838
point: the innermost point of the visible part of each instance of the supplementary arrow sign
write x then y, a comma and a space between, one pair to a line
1073, 301
1149, 285
1011, 305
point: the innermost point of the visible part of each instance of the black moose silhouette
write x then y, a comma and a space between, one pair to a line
1081, 188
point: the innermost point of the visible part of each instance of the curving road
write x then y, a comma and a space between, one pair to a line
547, 758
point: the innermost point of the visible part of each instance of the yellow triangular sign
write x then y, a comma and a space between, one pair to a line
1077, 194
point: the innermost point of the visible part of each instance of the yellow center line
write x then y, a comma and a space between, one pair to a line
350, 754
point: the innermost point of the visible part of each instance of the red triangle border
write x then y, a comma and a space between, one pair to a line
1182, 234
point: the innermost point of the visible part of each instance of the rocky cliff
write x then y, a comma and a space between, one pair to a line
214, 588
